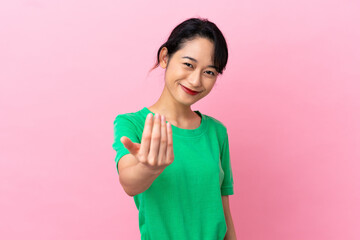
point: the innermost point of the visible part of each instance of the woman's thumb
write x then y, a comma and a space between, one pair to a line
128, 143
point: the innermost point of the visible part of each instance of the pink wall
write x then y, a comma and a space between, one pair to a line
289, 97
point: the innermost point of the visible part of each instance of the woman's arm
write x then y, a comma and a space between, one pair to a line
230, 233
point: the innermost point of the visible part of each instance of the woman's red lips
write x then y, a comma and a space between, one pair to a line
189, 91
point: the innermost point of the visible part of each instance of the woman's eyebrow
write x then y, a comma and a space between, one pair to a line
193, 59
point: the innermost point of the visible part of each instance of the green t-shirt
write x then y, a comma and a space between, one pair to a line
184, 201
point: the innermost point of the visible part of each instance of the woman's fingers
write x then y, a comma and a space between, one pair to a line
155, 141
163, 142
146, 138
156, 150
169, 146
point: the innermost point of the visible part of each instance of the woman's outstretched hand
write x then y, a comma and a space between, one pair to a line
156, 149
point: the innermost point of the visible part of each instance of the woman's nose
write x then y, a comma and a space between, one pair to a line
195, 79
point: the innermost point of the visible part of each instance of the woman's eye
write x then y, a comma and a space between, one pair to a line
190, 65
211, 73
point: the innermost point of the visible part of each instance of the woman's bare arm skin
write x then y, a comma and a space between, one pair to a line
230, 233
147, 160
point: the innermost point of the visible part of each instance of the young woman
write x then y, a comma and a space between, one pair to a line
173, 161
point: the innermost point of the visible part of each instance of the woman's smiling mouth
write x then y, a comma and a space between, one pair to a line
189, 91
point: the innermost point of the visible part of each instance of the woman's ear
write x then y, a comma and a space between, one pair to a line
163, 57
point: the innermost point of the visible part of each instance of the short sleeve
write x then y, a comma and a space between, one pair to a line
123, 126
228, 182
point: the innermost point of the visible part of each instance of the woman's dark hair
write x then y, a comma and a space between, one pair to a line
191, 29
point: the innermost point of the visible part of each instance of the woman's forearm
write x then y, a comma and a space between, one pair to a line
230, 233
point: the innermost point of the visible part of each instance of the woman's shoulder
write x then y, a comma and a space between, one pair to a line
215, 122
134, 117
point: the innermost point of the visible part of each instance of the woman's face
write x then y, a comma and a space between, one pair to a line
190, 67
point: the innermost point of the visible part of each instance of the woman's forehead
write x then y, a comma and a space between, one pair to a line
200, 53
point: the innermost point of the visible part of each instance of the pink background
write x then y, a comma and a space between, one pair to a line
289, 97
